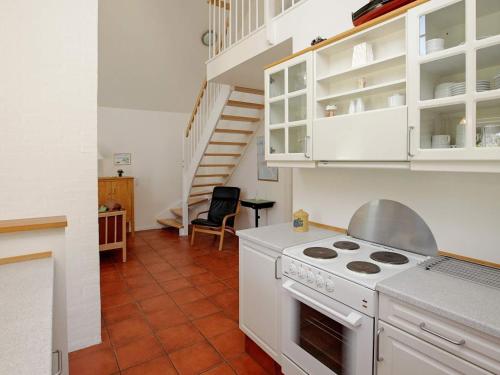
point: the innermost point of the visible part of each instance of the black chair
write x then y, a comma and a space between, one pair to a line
225, 205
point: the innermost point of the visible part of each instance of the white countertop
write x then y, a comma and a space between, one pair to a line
464, 302
281, 236
26, 299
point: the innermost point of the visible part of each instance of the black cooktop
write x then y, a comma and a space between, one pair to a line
320, 252
363, 267
346, 245
389, 257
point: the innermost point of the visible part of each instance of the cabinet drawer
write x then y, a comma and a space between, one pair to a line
476, 347
380, 135
401, 353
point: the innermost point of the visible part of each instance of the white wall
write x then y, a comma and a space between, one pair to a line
48, 148
245, 177
150, 53
154, 140
462, 210
314, 18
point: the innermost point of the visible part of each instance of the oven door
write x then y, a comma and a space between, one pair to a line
323, 336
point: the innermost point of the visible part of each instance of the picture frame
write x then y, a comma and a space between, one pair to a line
122, 159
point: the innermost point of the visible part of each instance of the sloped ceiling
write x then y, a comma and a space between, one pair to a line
150, 53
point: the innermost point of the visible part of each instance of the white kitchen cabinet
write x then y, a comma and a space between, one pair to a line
260, 288
401, 353
370, 122
454, 89
288, 110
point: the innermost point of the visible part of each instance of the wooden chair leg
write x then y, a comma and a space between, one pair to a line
221, 241
124, 254
192, 235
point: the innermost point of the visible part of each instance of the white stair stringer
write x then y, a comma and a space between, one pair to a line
208, 128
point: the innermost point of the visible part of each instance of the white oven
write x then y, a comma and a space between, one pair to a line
321, 336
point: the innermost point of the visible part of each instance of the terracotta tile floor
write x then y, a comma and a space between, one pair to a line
171, 309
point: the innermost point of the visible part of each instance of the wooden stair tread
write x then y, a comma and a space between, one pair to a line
222, 154
235, 131
241, 104
219, 3
220, 143
177, 211
249, 90
170, 223
208, 184
239, 118
194, 201
215, 165
200, 194
212, 175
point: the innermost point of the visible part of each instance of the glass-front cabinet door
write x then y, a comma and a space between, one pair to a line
454, 80
288, 110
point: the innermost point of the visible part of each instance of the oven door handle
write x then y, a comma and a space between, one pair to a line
352, 321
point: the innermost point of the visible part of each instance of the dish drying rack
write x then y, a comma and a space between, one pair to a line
475, 273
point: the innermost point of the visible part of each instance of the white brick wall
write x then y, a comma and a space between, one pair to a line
48, 141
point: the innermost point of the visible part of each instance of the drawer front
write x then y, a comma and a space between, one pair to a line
464, 342
371, 136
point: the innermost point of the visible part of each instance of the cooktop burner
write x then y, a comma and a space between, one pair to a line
346, 245
320, 252
389, 257
363, 267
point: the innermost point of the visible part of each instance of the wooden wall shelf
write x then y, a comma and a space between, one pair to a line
29, 224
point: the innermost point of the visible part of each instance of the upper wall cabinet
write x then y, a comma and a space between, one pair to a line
360, 96
288, 109
454, 83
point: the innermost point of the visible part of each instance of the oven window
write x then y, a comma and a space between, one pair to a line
326, 340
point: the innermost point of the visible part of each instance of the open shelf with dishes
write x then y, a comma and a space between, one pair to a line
362, 72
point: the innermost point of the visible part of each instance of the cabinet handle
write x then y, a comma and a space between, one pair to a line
379, 331
454, 342
306, 153
410, 131
59, 362
276, 268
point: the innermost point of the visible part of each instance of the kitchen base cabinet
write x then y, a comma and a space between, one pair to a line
260, 288
402, 353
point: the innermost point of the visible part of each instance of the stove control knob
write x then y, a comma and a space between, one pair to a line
302, 273
329, 286
310, 277
293, 269
320, 282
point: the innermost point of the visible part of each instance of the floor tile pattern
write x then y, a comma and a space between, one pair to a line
170, 309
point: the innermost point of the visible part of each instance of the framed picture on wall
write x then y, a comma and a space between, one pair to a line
264, 173
122, 159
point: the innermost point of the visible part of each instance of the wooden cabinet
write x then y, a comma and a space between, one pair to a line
454, 85
260, 290
120, 189
288, 107
401, 353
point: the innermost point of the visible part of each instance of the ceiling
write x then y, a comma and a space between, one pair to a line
150, 53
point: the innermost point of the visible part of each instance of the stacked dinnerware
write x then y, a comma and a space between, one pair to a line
496, 82
443, 90
483, 85
434, 45
457, 89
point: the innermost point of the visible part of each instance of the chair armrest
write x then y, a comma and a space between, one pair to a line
201, 213
231, 215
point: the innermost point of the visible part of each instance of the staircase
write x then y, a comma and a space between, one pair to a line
219, 131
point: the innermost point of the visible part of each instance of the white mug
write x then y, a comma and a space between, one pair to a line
396, 100
441, 141
352, 107
360, 105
